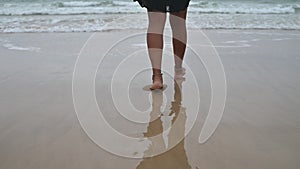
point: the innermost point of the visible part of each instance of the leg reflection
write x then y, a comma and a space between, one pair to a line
171, 126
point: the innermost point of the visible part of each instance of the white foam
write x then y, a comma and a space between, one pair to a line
239, 8
89, 16
11, 46
79, 4
116, 7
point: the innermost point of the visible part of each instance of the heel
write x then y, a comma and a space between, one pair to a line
157, 81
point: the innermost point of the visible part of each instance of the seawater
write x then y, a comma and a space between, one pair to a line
103, 15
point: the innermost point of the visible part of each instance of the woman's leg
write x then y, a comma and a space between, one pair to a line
179, 33
155, 45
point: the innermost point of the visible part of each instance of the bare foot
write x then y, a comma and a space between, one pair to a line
179, 73
157, 81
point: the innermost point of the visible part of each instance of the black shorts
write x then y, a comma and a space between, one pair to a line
164, 5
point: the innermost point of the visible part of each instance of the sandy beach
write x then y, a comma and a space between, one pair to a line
260, 127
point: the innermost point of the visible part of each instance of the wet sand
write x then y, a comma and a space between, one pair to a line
260, 127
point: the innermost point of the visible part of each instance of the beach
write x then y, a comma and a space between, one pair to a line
260, 126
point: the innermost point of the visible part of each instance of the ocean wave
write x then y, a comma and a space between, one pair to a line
94, 23
287, 10
92, 15
126, 7
88, 4
68, 13
242, 8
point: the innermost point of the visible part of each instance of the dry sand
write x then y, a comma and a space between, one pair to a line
260, 127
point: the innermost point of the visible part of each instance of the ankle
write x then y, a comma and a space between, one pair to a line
157, 81
156, 71
157, 76
179, 70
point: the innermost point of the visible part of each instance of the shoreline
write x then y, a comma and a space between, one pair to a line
128, 30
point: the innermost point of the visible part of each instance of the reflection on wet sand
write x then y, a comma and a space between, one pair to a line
170, 127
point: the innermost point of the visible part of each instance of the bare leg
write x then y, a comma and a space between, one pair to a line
155, 45
179, 33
